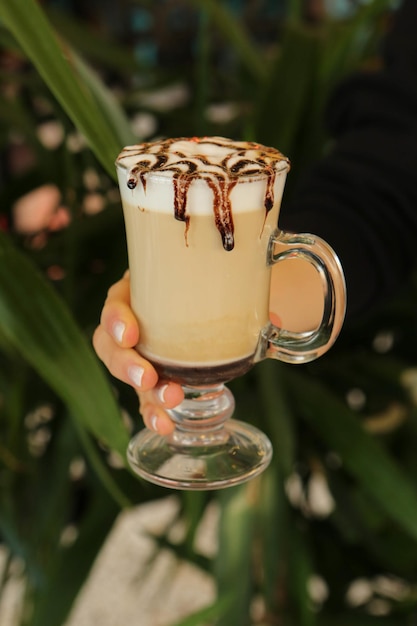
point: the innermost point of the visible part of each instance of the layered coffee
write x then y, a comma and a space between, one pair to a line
199, 214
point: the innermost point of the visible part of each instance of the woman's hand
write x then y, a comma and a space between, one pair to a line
114, 341
118, 333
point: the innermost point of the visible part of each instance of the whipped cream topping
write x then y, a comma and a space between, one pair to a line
219, 162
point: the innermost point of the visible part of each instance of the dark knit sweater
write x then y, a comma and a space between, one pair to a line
362, 197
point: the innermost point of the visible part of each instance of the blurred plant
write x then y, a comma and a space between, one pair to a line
328, 534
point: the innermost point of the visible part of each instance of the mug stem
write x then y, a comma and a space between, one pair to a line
200, 418
207, 449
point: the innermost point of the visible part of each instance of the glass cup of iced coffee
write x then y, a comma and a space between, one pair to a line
201, 217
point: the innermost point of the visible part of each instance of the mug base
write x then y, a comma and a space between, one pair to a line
233, 455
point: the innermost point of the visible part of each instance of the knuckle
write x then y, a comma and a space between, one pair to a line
112, 291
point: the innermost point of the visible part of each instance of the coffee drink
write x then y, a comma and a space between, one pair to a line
199, 214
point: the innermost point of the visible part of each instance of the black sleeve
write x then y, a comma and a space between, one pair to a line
362, 197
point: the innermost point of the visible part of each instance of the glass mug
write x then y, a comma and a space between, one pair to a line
201, 219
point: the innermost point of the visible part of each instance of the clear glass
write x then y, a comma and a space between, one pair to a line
207, 449
202, 307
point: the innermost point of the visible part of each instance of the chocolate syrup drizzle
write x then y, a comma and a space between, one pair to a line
243, 159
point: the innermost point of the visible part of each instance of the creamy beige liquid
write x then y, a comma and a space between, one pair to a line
198, 305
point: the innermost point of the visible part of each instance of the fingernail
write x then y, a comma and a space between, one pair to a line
161, 393
135, 373
154, 422
118, 330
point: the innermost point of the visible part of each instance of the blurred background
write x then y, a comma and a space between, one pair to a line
328, 535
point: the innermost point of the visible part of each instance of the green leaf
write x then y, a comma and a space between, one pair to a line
194, 504
362, 456
93, 45
101, 468
60, 68
300, 571
273, 528
35, 320
233, 565
212, 612
360, 522
345, 44
107, 104
295, 10
71, 566
235, 34
287, 93
274, 404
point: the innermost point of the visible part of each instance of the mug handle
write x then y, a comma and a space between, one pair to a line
303, 347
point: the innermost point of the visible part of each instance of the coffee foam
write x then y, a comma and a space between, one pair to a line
206, 169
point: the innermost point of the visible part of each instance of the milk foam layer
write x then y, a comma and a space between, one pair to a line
207, 175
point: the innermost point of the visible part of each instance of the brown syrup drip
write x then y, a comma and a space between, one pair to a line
182, 183
221, 177
223, 215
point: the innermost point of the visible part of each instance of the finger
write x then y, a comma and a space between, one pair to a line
117, 318
156, 419
153, 405
166, 394
275, 319
124, 363
120, 290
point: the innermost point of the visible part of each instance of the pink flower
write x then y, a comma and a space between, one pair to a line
40, 210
